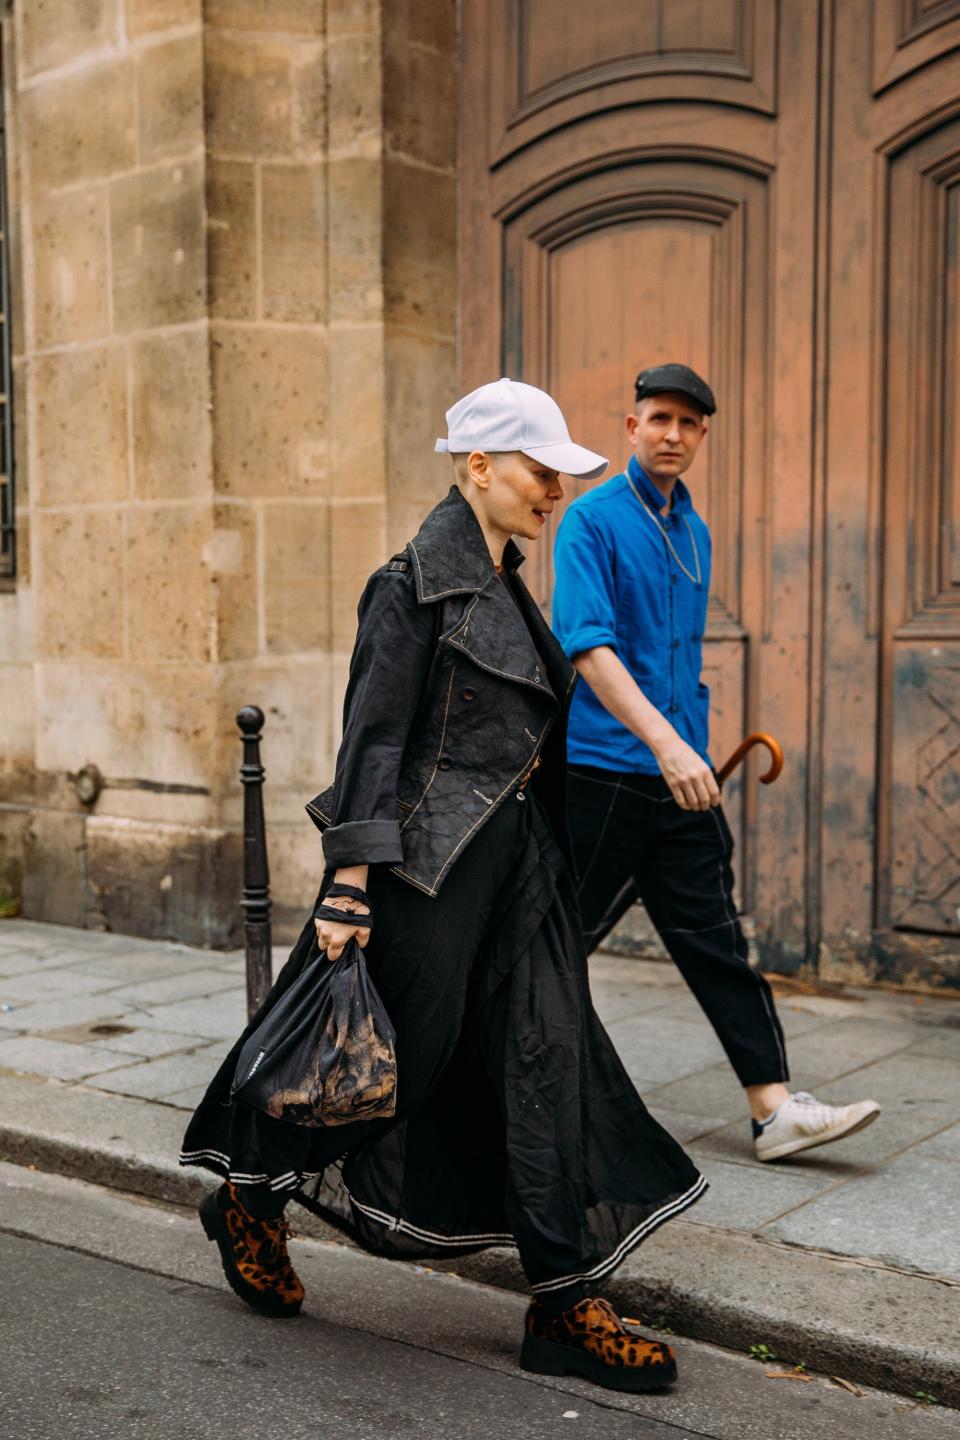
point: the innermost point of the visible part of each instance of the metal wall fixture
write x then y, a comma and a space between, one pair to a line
87, 783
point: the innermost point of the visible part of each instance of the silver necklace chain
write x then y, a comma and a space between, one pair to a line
697, 579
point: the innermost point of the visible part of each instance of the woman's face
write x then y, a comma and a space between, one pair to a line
519, 494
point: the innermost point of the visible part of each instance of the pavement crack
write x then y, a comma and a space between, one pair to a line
21, 1234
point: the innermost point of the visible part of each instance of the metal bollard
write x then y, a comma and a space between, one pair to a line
256, 876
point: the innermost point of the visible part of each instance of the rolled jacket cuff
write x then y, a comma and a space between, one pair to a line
362, 842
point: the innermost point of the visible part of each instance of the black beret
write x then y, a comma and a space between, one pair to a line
679, 379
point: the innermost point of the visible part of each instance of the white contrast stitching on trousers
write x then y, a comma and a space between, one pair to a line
745, 958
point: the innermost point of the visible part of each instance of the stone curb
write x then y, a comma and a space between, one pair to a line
892, 1331
838, 1316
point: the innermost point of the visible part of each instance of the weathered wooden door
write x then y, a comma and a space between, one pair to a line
766, 190
889, 828
638, 185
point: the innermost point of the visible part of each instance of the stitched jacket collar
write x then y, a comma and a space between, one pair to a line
449, 553
500, 631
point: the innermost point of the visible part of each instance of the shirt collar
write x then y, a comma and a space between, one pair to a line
654, 498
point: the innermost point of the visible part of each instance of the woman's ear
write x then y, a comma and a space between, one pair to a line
478, 469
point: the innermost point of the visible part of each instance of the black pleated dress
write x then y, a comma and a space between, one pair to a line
516, 1123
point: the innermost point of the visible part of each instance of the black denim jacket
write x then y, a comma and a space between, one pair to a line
453, 694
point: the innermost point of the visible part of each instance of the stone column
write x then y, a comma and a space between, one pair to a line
17, 724
237, 273
110, 172
332, 211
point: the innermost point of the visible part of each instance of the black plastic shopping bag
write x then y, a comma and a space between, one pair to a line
324, 1054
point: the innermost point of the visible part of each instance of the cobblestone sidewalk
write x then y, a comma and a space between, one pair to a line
149, 1020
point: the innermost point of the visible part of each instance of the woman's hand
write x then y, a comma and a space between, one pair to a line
333, 936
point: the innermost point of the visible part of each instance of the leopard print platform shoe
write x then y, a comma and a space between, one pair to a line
591, 1340
254, 1255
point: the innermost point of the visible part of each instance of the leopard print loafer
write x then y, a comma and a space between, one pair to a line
254, 1255
591, 1340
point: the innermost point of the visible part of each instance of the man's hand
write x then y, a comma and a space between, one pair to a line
692, 782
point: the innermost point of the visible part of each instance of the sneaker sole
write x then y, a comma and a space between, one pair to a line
810, 1142
543, 1357
215, 1228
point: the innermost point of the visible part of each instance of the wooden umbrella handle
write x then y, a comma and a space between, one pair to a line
757, 738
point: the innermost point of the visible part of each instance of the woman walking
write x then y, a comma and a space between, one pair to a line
516, 1123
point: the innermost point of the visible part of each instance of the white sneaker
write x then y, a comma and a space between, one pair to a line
803, 1122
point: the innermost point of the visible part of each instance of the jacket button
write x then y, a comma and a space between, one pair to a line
445, 763
469, 695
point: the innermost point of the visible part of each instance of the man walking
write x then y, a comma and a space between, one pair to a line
632, 568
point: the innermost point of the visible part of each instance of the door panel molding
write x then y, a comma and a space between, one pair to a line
921, 889
624, 156
918, 859
728, 212
924, 321
908, 34
560, 71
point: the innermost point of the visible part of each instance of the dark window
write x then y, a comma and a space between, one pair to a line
8, 549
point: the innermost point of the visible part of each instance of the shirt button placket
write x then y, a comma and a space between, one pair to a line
673, 649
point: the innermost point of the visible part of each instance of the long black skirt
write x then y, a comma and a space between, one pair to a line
516, 1122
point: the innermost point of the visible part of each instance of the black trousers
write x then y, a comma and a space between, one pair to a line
632, 840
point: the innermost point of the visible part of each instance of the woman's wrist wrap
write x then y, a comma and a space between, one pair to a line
343, 917
347, 892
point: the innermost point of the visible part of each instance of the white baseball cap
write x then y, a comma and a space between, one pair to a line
508, 415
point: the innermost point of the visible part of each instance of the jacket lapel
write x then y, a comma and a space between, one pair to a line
450, 557
560, 672
492, 633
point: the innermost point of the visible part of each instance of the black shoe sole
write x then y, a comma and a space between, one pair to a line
215, 1226
542, 1357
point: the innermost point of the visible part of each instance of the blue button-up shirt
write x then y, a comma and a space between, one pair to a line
618, 583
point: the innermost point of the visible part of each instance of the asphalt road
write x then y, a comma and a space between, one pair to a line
115, 1322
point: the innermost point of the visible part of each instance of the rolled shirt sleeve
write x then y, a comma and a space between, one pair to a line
391, 657
584, 602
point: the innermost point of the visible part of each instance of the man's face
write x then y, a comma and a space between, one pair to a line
666, 433
519, 494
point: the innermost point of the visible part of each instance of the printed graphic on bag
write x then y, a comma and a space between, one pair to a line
359, 1082
256, 1064
324, 1053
